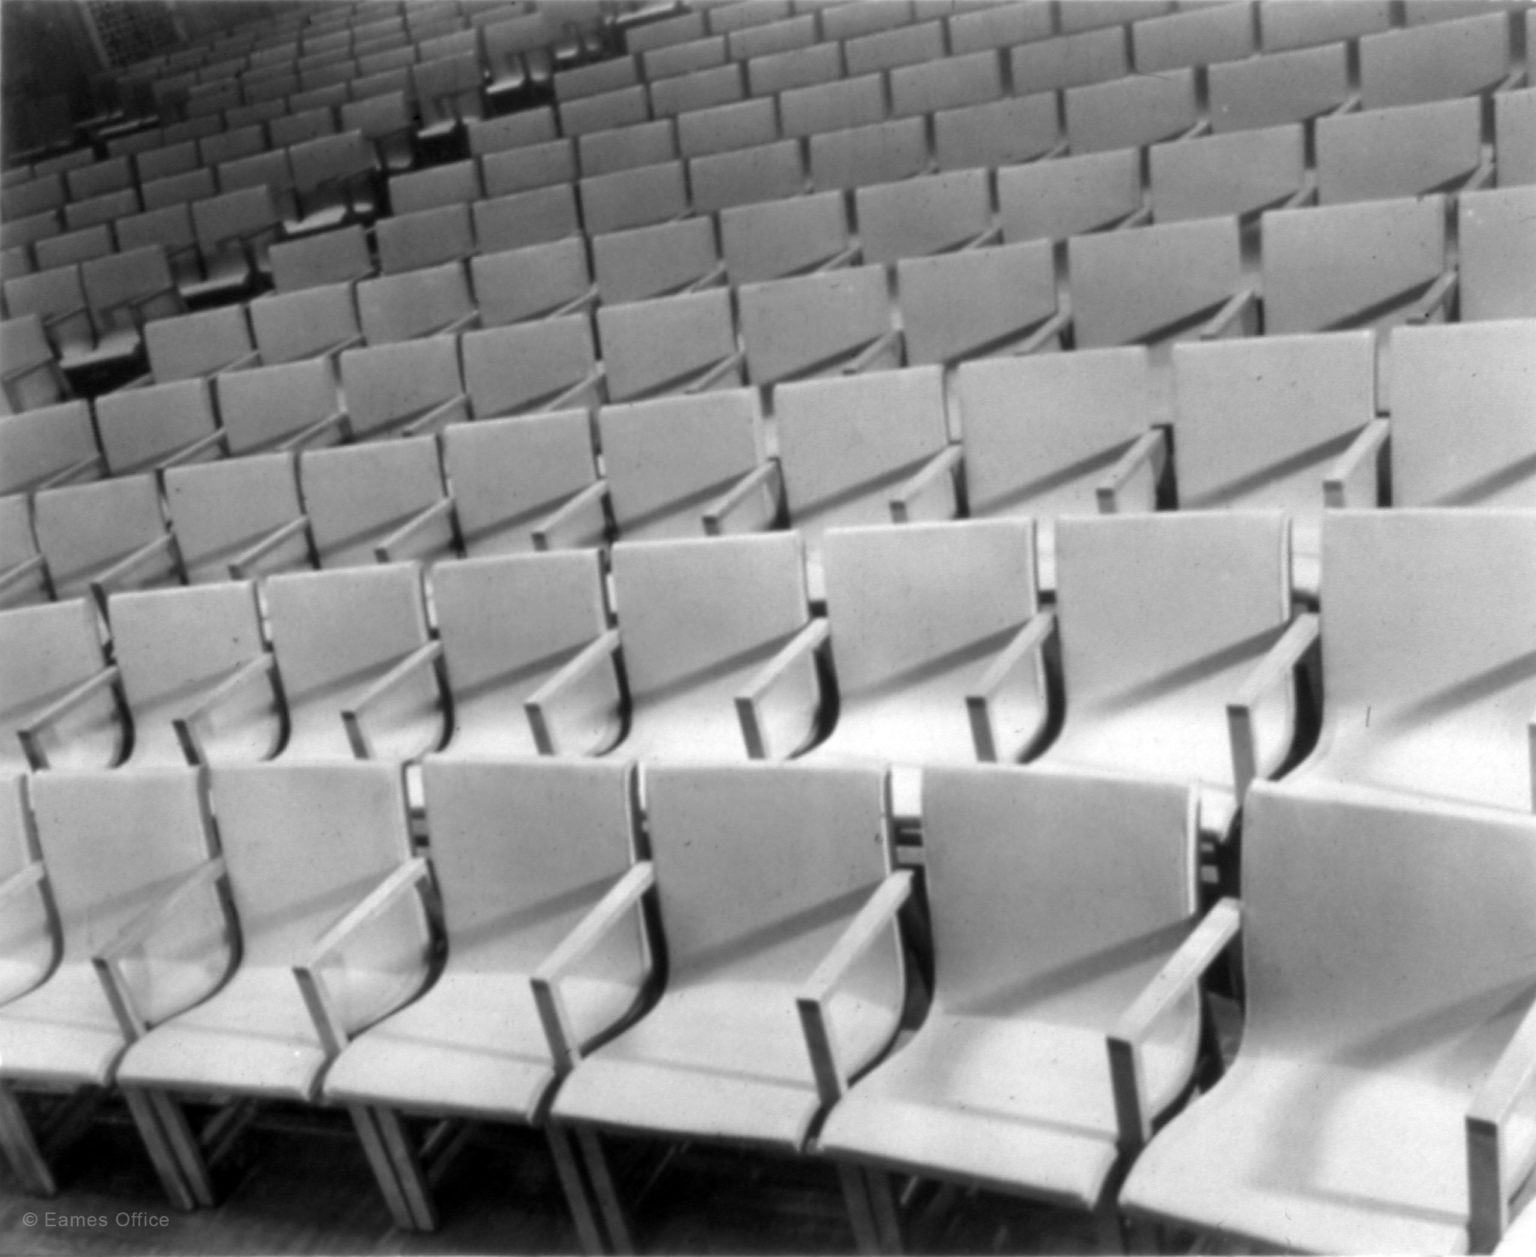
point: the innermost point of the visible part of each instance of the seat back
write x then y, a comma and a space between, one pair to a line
43, 443
305, 842
335, 634
356, 495
1497, 253
776, 72
811, 325
294, 129
291, 327
521, 853
396, 308
73, 246
782, 35
665, 344
1398, 152
330, 157
141, 276
1037, 881
246, 212
1052, 200
331, 257
228, 146
1242, 173
1291, 25
746, 176
783, 238
48, 294
832, 106
696, 54
1136, 110
218, 510
142, 427
654, 261
528, 367
946, 83
531, 166
508, 624
1155, 283
845, 23
1340, 266
192, 346
1170, 42
18, 544
976, 302
387, 387
174, 647
725, 128
182, 189
455, 184
507, 475
101, 209
45, 651
996, 133
930, 214
997, 26
1075, 59
882, 152
665, 460
697, 90
1463, 431
603, 112
526, 218
634, 197
171, 228
432, 237
1435, 61
531, 283
908, 44
23, 343
1515, 126
624, 148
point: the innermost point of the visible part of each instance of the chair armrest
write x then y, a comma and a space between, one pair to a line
584, 511
1268, 674
29, 734
1487, 1117
108, 961
1303, 196
1136, 218
936, 472
262, 665
800, 646
1176, 979
1229, 313
165, 543
1510, 81
424, 656
1362, 459
328, 1025
251, 359
588, 382
384, 552
18, 572
96, 463
985, 239
1350, 104
138, 300
31, 368
1438, 297
575, 304
1059, 324
1149, 451
429, 417
1203, 127
240, 566
596, 652
1479, 179
454, 326
192, 450
338, 419
717, 372
709, 279
559, 1030
50, 321
863, 932
718, 511
26, 877
872, 351
847, 257
1028, 643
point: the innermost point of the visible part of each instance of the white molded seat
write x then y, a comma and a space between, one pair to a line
528, 368
1281, 87
239, 517
669, 344
536, 282
48, 446
1515, 128
49, 653
1225, 32
161, 425
1302, 23
522, 219
929, 214
403, 389
1406, 151
109, 534
32, 374
1435, 61
998, 133
423, 238
435, 301
746, 176
782, 238
287, 406
882, 152
977, 302
951, 82
656, 261
1497, 243
193, 346
624, 148
360, 498
634, 197
1129, 112
528, 167
1052, 200
825, 323
310, 323
1242, 173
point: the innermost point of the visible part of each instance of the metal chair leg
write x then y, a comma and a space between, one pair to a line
21, 1150
162, 1150
860, 1212
578, 1195
882, 1200
387, 1170
590, 1143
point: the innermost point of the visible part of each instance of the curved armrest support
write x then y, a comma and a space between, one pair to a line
338, 419
1439, 297
716, 373
748, 711
108, 961
411, 875
430, 417
51, 321
837, 261
559, 1030
384, 552
1175, 980
877, 914
1027, 644
601, 649
1271, 672
454, 326
1303, 196
1149, 454
1350, 104
1203, 127
1480, 178
582, 386
252, 359
240, 567
95, 464
765, 476
1345, 483
982, 240
194, 450
1136, 218
424, 656
19, 572
13, 374
584, 514
25, 878
873, 352
1224, 318
1511, 81
935, 475
709, 279
1059, 324
30, 734
186, 727
164, 544
1487, 1117
576, 304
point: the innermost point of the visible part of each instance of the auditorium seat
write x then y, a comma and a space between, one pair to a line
1285, 422
171, 229
1224, 32
999, 133
526, 218
432, 302
239, 518
524, 484
405, 389
425, 238
674, 344
1071, 196
758, 873
512, 130
603, 111
778, 239
314, 322
1406, 151
634, 197
108, 535
48, 446
158, 426
688, 466
683, 58
337, 256
725, 128
745, 176
24, 576
882, 152
1055, 900
122, 857
522, 854
1287, 24
234, 231
609, 151
73, 246
528, 166
199, 346
1283, 87
952, 82
384, 120
656, 261
997, 26
1243, 173
541, 365
1496, 238
298, 844
62, 707
176, 648
1435, 61
776, 72
1515, 127
930, 214
105, 208
828, 323
32, 376
447, 90
1378, 1059
335, 178
182, 189
978, 302
541, 281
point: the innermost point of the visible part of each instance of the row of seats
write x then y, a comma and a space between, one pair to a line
1108, 804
